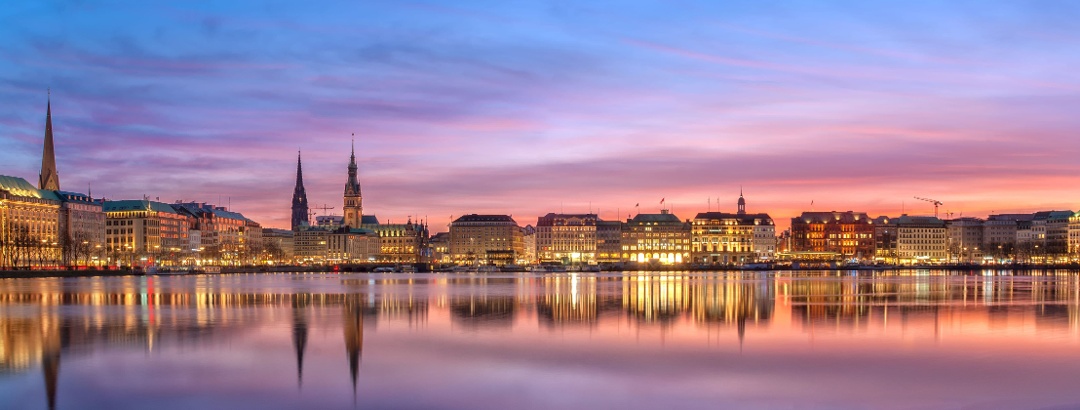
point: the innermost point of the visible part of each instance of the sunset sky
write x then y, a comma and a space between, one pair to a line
525, 108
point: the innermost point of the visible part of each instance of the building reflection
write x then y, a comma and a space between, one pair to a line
44, 320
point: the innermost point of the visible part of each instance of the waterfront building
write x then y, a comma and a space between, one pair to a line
609, 241
884, 240
399, 243
528, 241
1001, 231
311, 245
352, 245
918, 239
440, 248
300, 212
850, 235
486, 240
1050, 231
224, 233
732, 238
656, 238
965, 239
29, 224
278, 244
82, 228
566, 238
354, 202
140, 232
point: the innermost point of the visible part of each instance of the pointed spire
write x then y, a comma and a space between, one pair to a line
299, 202
48, 179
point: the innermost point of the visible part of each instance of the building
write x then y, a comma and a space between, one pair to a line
1000, 231
144, 232
329, 221
609, 241
399, 243
486, 240
352, 245
29, 225
440, 248
566, 238
732, 238
354, 202
656, 238
849, 234
1050, 231
300, 212
311, 245
885, 240
278, 244
965, 239
528, 240
82, 229
224, 233
919, 239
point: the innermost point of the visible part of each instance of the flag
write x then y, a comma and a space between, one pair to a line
637, 204
662, 201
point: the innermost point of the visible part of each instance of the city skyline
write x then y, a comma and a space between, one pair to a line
528, 110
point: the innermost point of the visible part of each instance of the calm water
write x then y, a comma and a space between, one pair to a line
634, 341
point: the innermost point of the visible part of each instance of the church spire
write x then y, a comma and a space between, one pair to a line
742, 202
48, 179
299, 201
354, 205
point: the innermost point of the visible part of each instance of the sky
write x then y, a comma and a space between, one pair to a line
525, 108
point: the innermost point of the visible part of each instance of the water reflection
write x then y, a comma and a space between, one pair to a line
44, 321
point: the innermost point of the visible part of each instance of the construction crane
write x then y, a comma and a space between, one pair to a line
933, 201
324, 209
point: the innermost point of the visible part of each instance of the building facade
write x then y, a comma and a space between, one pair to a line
656, 238
352, 245
278, 244
848, 234
566, 238
486, 240
29, 225
142, 232
609, 241
920, 240
82, 229
965, 240
353, 201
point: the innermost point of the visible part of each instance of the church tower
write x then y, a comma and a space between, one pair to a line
299, 199
354, 202
48, 179
742, 203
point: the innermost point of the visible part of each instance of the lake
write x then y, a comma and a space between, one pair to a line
633, 340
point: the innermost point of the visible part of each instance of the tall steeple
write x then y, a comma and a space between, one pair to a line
742, 203
48, 179
299, 199
354, 201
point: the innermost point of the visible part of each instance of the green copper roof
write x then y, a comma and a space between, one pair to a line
137, 205
20, 187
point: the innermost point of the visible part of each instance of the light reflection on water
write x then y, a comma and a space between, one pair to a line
915, 339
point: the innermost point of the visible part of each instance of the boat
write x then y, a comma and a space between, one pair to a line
488, 269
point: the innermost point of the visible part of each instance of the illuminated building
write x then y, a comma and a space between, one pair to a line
278, 244
224, 233
660, 238
1001, 230
720, 237
1073, 232
965, 238
1050, 230
352, 245
82, 228
609, 241
528, 240
849, 234
299, 200
486, 240
141, 231
919, 239
29, 224
566, 238
354, 201
311, 245
329, 221
399, 243
440, 247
